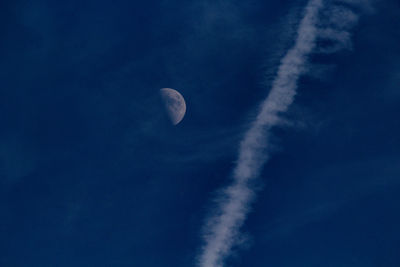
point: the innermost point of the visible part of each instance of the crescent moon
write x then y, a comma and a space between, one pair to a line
174, 104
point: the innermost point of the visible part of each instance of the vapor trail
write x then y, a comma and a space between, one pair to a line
222, 230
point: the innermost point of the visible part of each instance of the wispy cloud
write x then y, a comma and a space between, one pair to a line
222, 230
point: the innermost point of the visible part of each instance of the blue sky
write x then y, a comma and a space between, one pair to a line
93, 174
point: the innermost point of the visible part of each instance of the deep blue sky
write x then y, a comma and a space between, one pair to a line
93, 174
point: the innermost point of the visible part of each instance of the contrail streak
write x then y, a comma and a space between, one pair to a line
222, 229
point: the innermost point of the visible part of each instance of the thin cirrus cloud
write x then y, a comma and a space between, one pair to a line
221, 230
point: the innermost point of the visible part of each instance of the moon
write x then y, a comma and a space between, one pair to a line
174, 104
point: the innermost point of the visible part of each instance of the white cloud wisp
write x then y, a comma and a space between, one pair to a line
222, 229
